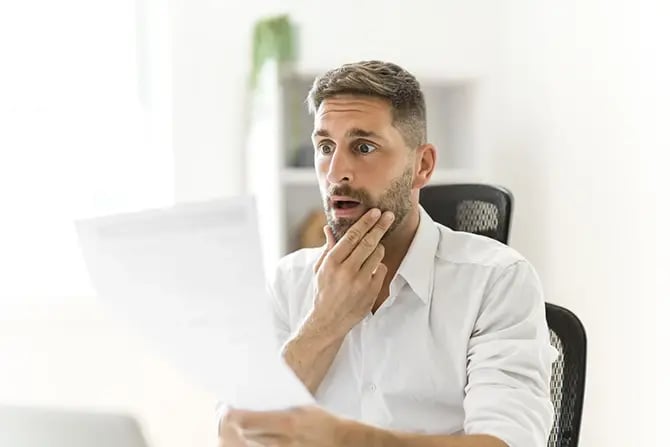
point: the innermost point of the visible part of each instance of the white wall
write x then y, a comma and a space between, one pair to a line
564, 127
211, 57
655, 102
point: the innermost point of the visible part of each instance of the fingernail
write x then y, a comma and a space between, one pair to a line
376, 213
389, 216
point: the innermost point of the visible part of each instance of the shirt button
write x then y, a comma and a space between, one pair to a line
373, 387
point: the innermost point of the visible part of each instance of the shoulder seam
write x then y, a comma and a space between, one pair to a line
504, 270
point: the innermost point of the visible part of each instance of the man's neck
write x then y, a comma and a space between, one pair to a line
396, 246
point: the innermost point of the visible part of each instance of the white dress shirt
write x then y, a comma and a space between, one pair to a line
461, 345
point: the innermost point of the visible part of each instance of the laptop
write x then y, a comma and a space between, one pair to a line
51, 427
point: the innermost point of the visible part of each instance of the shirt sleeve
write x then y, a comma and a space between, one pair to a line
509, 362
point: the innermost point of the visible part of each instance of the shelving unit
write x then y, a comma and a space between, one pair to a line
280, 169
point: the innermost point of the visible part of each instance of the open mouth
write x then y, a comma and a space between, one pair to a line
345, 204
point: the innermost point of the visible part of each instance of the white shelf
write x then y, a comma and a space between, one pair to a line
306, 176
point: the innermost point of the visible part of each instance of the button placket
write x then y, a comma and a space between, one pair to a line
368, 352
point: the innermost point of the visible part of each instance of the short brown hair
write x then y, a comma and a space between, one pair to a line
383, 80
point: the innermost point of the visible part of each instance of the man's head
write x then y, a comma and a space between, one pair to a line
370, 141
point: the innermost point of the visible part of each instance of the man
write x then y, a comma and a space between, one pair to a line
406, 332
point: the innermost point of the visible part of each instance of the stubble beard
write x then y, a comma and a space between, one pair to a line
397, 198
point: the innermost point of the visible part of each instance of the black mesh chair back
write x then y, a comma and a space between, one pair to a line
568, 375
475, 208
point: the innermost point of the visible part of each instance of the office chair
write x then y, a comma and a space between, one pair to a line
568, 374
487, 210
475, 208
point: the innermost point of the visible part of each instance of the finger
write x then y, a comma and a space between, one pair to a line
330, 243
266, 441
370, 241
370, 265
263, 440
261, 422
229, 436
354, 235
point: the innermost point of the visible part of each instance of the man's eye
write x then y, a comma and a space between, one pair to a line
366, 148
325, 148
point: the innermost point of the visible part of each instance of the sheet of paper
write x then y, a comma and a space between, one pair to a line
190, 278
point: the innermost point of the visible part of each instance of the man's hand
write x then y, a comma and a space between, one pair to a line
350, 273
296, 427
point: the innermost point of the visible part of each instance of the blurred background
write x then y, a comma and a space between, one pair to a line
109, 106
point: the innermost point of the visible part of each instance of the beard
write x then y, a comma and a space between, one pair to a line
396, 198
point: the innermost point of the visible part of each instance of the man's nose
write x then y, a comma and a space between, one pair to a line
340, 169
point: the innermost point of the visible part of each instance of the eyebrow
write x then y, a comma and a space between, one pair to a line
351, 133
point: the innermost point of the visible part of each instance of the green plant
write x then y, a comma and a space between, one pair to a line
273, 38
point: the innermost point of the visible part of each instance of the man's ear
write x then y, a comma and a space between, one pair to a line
424, 165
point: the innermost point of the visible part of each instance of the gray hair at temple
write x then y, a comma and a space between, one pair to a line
382, 80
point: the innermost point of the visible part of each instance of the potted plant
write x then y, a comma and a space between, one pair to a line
273, 39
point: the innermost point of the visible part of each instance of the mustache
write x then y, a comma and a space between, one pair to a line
345, 190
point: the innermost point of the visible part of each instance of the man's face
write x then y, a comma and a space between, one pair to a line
362, 161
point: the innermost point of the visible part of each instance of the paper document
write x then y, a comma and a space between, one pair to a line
190, 278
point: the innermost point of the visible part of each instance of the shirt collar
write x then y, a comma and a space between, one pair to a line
418, 265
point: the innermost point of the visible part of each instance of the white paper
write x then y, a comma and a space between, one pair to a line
190, 278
